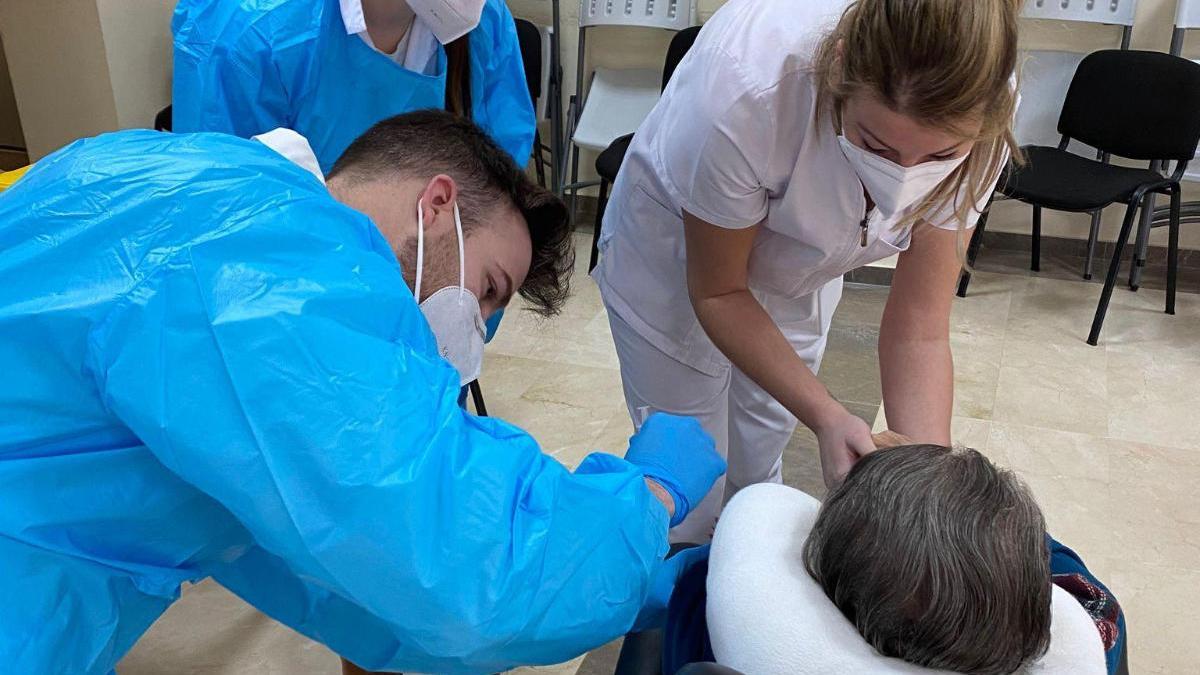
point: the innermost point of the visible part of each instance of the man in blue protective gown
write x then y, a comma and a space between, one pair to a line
329, 69
214, 366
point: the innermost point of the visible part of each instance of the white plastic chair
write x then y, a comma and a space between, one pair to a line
1111, 12
1187, 18
617, 100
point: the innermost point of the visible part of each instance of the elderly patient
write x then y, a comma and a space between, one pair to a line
924, 558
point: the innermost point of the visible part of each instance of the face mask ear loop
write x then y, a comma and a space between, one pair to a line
420, 250
462, 257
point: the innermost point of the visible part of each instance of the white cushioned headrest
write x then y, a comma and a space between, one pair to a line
767, 616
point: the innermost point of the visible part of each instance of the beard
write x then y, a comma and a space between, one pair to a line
441, 263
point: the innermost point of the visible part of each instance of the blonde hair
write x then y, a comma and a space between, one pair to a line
941, 62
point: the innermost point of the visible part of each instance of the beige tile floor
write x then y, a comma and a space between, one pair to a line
1107, 437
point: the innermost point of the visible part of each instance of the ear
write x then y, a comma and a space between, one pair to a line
437, 201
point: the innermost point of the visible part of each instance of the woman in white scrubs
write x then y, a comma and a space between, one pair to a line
799, 140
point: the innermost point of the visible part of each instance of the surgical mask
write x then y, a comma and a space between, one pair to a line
448, 20
892, 187
453, 312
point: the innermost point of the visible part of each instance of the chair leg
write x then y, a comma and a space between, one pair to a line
1143, 243
477, 398
1114, 270
600, 206
1035, 252
539, 162
1093, 236
964, 279
1173, 250
574, 180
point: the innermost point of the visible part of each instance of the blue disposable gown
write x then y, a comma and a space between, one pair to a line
212, 368
247, 67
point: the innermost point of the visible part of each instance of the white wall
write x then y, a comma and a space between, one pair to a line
59, 72
83, 67
628, 47
137, 41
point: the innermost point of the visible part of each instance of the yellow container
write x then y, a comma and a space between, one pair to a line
8, 178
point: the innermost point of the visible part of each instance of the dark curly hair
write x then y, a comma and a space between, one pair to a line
428, 142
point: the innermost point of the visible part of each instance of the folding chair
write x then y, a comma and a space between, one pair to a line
608, 163
617, 100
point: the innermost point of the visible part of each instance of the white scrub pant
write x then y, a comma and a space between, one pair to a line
750, 427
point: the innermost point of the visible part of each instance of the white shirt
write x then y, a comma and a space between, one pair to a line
736, 141
416, 51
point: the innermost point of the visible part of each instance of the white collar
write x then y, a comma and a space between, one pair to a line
293, 147
416, 50
352, 16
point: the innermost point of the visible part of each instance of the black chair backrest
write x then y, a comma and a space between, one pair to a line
162, 121
1135, 104
530, 40
680, 44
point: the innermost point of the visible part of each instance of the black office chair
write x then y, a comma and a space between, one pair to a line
610, 160
1134, 104
162, 121
530, 40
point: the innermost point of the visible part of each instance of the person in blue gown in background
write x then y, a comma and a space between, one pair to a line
329, 69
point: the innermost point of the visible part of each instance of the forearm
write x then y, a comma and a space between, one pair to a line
743, 331
918, 385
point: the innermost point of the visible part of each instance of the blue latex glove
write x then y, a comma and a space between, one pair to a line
678, 454
654, 611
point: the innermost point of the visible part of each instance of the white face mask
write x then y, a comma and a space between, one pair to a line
453, 312
892, 187
448, 20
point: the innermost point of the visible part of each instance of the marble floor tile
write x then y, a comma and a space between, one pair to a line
977, 360
580, 340
1154, 397
986, 308
1069, 476
565, 407
1054, 385
602, 661
802, 463
850, 366
1160, 604
861, 305
571, 667
210, 631
972, 433
1062, 312
1153, 500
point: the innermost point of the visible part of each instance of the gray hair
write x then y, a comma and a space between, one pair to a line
938, 558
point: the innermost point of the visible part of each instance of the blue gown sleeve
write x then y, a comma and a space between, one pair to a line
227, 88
501, 103
281, 366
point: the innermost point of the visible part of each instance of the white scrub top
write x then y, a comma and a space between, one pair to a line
736, 141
